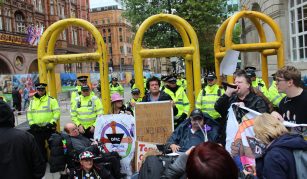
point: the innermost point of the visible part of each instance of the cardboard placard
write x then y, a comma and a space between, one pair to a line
141, 149
154, 121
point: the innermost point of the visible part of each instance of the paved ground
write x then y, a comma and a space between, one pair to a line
64, 103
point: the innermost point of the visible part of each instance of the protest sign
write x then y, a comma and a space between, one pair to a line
141, 149
117, 132
154, 121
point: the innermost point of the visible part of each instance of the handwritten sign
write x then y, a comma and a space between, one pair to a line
154, 121
141, 149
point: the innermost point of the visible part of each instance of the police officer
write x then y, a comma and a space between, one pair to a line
82, 81
273, 95
180, 98
206, 100
85, 111
181, 81
115, 87
257, 83
42, 114
135, 98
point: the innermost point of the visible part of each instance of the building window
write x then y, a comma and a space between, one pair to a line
298, 30
74, 37
108, 21
20, 23
78, 67
104, 30
121, 38
110, 50
8, 22
105, 39
64, 37
52, 8
67, 68
121, 49
120, 29
102, 21
40, 6
109, 30
109, 39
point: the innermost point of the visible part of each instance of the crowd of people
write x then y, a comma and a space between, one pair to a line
199, 137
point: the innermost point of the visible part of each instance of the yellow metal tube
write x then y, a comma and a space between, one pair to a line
166, 52
256, 46
73, 58
269, 52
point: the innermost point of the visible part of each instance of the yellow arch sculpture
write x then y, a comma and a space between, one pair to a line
264, 47
190, 52
47, 60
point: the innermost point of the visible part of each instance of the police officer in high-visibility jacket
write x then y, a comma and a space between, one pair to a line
180, 98
136, 97
273, 95
115, 87
42, 114
206, 100
257, 83
85, 111
181, 81
77, 92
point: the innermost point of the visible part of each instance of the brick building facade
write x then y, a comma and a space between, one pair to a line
18, 54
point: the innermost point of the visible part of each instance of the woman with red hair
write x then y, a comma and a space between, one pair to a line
210, 161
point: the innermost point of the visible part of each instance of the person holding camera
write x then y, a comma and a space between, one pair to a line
42, 114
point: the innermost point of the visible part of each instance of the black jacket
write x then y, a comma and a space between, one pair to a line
278, 160
19, 153
251, 101
101, 172
163, 97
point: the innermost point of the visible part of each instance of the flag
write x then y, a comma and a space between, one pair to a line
240, 140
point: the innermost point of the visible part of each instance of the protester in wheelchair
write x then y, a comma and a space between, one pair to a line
88, 169
67, 147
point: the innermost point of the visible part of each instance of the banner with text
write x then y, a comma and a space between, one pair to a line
141, 149
154, 121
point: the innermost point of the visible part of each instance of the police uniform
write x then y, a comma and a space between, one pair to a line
42, 114
86, 110
181, 101
132, 100
274, 96
258, 83
77, 91
116, 88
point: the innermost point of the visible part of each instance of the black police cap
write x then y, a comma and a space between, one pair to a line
197, 113
211, 76
250, 68
40, 85
171, 79
135, 91
82, 78
114, 79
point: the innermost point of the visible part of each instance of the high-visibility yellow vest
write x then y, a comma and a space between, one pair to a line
182, 82
117, 88
43, 110
207, 98
260, 85
3, 98
274, 96
76, 93
181, 100
133, 101
86, 110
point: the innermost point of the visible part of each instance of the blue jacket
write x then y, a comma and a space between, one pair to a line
278, 160
182, 136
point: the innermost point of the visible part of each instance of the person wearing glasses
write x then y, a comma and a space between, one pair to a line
42, 114
292, 107
85, 111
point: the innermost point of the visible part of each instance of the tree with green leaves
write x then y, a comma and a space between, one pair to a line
205, 16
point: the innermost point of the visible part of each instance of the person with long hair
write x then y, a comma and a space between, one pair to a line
277, 160
210, 161
117, 105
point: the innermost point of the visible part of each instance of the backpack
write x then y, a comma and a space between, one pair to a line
300, 157
154, 166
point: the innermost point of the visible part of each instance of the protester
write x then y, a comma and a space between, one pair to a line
209, 160
191, 132
117, 105
179, 97
292, 108
88, 169
43, 114
277, 160
242, 95
19, 154
154, 93
81, 144
85, 111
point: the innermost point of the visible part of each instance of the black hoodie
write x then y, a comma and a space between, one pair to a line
19, 154
278, 160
